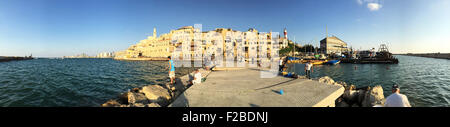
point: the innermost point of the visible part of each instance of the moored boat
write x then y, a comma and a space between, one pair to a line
333, 62
319, 62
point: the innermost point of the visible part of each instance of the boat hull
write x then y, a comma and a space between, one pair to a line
333, 62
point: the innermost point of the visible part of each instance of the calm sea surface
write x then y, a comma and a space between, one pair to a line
91, 82
75, 82
426, 81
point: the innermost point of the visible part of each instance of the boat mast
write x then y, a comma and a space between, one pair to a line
294, 52
294, 46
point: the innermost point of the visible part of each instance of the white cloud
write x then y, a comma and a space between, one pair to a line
374, 6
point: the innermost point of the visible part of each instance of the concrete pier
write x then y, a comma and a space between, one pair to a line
245, 88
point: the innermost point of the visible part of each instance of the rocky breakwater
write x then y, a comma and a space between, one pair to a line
153, 95
357, 97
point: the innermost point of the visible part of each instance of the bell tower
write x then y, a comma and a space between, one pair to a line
154, 32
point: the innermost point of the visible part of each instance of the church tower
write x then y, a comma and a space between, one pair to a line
154, 32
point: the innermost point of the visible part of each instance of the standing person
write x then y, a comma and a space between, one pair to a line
171, 68
212, 64
308, 69
281, 64
396, 99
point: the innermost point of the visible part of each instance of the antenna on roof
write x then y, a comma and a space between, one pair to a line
326, 29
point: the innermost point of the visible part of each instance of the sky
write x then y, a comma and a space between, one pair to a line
55, 28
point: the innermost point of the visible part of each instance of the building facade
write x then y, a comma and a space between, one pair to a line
330, 45
162, 46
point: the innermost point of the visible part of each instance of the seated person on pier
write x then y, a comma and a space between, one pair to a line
197, 78
396, 99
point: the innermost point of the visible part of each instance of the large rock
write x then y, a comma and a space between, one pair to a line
350, 87
373, 97
125, 105
138, 105
361, 95
156, 93
341, 103
135, 90
170, 87
137, 98
153, 105
351, 96
326, 80
123, 98
341, 83
111, 103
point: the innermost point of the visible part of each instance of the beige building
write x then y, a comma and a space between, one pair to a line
162, 47
105, 55
330, 45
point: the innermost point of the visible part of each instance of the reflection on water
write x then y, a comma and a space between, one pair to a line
75, 82
426, 81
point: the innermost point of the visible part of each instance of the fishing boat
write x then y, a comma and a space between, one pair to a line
293, 58
319, 62
383, 56
333, 62
315, 62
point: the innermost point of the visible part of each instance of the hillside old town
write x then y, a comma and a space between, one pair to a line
191, 43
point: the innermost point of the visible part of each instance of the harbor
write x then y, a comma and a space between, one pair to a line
244, 86
129, 69
224, 62
92, 82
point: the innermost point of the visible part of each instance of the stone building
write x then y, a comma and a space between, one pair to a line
162, 46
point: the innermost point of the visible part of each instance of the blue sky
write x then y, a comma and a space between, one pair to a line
54, 28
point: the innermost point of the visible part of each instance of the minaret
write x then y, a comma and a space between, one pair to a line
154, 32
285, 33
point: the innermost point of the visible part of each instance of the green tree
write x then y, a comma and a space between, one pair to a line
308, 48
289, 49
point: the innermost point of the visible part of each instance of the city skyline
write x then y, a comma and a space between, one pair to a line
50, 28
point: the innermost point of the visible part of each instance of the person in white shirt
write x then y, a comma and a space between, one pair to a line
281, 64
197, 77
308, 69
396, 99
